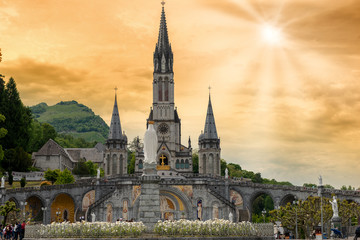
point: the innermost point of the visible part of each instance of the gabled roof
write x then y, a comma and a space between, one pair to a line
51, 148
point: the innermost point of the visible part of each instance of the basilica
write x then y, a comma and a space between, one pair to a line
174, 158
177, 191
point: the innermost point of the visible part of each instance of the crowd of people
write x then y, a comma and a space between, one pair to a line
13, 231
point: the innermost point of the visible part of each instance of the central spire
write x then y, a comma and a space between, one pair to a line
163, 56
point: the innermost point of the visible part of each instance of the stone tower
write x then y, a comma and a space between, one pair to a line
209, 146
172, 156
116, 150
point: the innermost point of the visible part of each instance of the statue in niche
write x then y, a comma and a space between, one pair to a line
93, 216
199, 210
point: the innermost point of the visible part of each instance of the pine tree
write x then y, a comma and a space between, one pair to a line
18, 118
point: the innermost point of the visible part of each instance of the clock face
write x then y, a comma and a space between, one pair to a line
163, 128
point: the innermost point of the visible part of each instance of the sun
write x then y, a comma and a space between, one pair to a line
271, 35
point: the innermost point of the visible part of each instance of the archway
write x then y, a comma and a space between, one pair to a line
87, 201
237, 200
33, 209
289, 198
62, 208
261, 204
13, 215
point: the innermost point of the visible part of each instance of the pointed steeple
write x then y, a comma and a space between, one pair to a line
163, 56
115, 126
210, 127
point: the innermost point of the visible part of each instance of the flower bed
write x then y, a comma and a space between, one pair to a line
88, 229
217, 227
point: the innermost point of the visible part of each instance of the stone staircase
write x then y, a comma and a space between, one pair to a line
101, 200
221, 198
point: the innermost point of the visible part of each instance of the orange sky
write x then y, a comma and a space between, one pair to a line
288, 110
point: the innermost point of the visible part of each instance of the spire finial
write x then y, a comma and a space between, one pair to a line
163, 3
209, 89
0, 55
115, 89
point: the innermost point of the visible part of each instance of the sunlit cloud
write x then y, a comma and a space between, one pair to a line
284, 74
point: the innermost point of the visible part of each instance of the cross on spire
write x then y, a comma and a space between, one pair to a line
115, 89
209, 89
163, 3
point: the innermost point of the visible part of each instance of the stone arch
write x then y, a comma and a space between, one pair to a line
113, 164
87, 199
187, 164
13, 199
141, 164
177, 164
60, 202
182, 202
288, 198
257, 194
33, 207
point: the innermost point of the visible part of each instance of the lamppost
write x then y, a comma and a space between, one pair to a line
296, 222
44, 209
263, 213
321, 203
23, 205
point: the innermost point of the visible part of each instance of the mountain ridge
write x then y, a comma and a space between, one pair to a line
72, 118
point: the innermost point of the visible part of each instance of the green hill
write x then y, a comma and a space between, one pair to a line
72, 118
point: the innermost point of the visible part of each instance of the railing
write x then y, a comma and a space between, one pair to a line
221, 198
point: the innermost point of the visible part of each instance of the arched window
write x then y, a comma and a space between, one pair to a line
177, 165
108, 164
187, 163
160, 84
121, 170
182, 164
204, 164
166, 90
114, 159
140, 164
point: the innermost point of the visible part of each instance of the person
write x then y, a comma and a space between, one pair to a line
16, 230
357, 233
22, 231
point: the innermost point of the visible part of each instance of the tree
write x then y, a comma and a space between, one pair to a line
310, 185
40, 134
131, 165
10, 178
309, 214
18, 118
6, 209
52, 175
16, 159
195, 161
222, 167
65, 177
22, 182
3, 132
